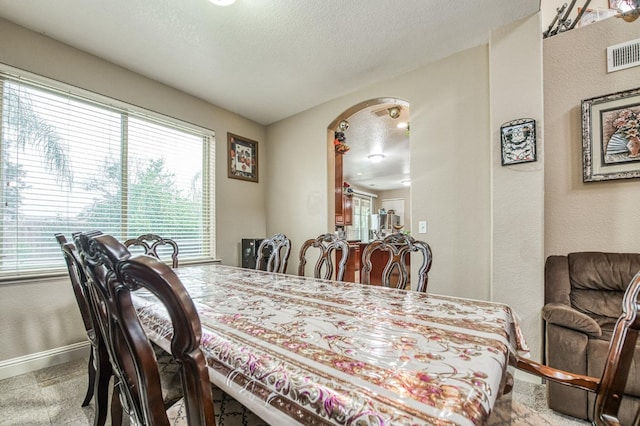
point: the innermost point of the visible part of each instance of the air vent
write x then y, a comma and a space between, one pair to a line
623, 55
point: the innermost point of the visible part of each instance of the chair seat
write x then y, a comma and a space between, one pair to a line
228, 412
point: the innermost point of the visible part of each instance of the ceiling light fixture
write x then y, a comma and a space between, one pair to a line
376, 158
223, 2
402, 125
406, 182
394, 112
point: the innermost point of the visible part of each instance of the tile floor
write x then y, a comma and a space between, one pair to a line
52, 396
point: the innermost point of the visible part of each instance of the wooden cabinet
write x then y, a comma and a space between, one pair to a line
338, 188
344, 214
347, 209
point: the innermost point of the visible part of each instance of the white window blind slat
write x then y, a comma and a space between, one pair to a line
62, 171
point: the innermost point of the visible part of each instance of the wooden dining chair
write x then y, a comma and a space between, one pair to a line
80, 291
112, 275
151, 243
327, 246
610, 386
273, 254
394, 250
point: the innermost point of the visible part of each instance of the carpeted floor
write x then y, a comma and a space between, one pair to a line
527, 406
52, 396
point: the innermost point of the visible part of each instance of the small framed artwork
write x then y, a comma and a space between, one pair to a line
611, 136
518, 138
243, 158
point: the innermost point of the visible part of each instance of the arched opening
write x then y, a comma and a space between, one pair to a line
369, 153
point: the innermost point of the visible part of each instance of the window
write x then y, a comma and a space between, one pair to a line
72, 162
361, 205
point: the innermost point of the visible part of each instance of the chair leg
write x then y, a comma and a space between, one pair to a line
103, 377
91, 370
116, 406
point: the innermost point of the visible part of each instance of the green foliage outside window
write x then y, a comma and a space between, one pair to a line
69, 164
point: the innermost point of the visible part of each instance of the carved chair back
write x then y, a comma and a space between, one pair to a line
80, 291
151, 243
273, 254
610, 387
327, 246
112, 276
398, 246
78, 279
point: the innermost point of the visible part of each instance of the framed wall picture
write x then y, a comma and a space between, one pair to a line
611, 136
518, 140
242, 158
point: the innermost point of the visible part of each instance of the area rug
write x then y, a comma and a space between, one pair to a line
230, 412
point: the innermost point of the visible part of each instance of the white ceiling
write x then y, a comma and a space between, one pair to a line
373, 131
268, 59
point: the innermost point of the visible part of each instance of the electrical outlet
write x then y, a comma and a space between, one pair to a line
422, 227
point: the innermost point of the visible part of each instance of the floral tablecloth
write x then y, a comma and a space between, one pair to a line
325, 352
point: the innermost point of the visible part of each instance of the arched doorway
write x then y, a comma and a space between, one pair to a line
374, 173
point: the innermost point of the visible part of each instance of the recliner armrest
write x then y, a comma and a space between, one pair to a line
566, 316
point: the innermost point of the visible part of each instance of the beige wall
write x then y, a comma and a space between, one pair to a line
596, 215
517, 190
38, 316
456, 108
454, 146
444, 158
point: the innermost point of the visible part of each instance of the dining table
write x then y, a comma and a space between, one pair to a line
305, 351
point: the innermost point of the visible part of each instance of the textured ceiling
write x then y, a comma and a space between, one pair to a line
267, 60
373, 131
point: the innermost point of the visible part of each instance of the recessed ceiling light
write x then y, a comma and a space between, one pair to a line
376, 158
402, 125
223, 2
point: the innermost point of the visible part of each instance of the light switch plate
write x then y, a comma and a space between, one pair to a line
422, 227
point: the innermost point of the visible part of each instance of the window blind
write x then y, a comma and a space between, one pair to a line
71, 163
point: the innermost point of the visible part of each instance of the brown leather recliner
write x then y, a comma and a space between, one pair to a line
583, 300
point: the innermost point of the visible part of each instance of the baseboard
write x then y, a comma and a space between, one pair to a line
32, 362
